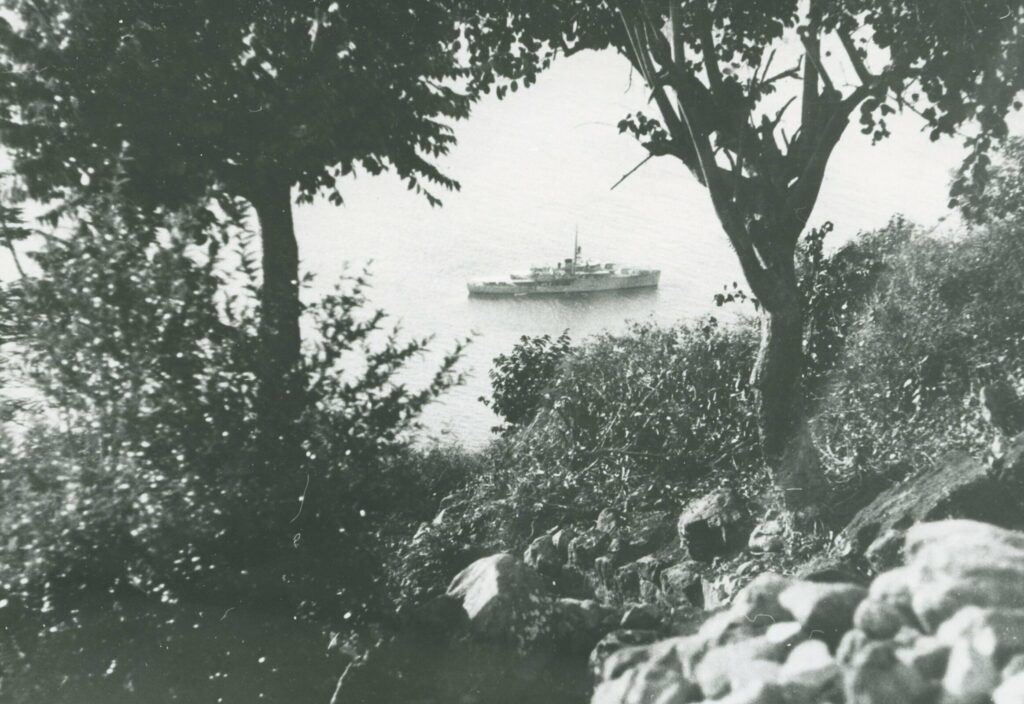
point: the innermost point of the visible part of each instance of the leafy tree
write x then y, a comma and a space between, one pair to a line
234, 100
521, 379
723, 95
1002, 198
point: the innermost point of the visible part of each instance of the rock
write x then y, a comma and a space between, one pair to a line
971, 673
809, 672
879, 619
713, 594
587, 547
852, 642
613, 643
660, 680
642, 617
754, 673
1002, 628
683, 582
723, 665
1014, 666
572, 625
876, 676
823, 609
1011, 691
789, 633
768, 536
958, 563
609, 520
757, 693
543, 556
687, 650
712, 525
502, 597
561, 538
926, 655
960, 486
759, 601
1001, 407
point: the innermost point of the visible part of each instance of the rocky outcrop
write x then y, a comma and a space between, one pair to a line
959, 487
713, 526
946, 627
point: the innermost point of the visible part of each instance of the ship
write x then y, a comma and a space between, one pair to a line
567, 277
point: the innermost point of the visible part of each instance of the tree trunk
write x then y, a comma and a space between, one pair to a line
778, 383
280, 393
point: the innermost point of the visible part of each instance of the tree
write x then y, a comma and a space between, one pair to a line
185, 103
757, 133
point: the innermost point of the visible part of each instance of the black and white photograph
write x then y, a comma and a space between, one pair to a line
511, 352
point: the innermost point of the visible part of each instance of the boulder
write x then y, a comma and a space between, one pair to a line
971, 673
1011, 691
609, 520
730, 664
687, 650
879, 619
877, 676
809, 673
958, 487
642, 617
926, 655
768, 536
561, 538
823, 609
502, 597
958, 563
713, 525
683, 583
660, 680
543, 556
614, 642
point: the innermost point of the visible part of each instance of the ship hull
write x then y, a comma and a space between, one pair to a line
567, 286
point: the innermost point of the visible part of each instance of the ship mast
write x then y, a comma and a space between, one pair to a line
575, 249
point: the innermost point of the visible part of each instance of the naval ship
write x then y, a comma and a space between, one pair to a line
568, 276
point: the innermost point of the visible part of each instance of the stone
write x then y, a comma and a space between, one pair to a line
1014, 666
722, 665
926, 655
609, 520
958, 563
971, 673
687, 650
876, 676
759, 601
1001, 407
614, 642
768, 536
573, 625
543, 556
756, 693
683, 582
809, 671
788, 633
585, 548
502, 597
561, 538
657, 681
642, 617
958, 487
712, 526
822, 608
1002, 628
1011, 691
879, 619
852, 642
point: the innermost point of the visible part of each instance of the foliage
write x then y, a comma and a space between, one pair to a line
638, 417
836, 287
945, 319
1003, 197
130, 475
520, 380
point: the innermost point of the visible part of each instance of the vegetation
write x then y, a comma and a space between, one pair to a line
722, 104
189, 104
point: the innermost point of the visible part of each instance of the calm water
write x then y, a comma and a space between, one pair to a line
538, 165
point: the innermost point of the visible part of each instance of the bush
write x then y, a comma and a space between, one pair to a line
130, 472
946, 318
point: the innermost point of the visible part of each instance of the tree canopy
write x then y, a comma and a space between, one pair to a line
753, 96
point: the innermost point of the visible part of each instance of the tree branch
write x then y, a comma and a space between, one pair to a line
856, 59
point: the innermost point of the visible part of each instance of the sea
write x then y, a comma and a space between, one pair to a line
543, 165
547, 163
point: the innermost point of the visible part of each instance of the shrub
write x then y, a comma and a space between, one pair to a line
946, 318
